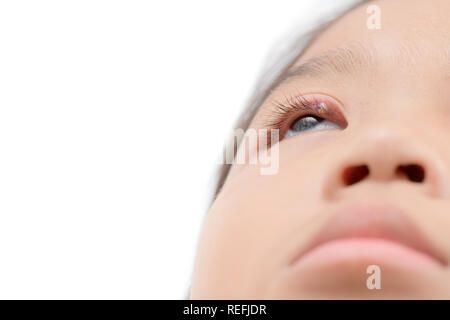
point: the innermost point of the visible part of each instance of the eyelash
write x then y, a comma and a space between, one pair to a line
300, 106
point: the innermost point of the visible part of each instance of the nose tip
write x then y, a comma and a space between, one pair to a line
387, 159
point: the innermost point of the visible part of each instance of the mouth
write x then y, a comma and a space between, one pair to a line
370, 234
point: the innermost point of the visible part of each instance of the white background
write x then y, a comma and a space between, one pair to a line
112, 117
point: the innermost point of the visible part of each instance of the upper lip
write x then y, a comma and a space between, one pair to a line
374, 221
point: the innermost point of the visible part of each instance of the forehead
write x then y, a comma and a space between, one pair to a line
409, 29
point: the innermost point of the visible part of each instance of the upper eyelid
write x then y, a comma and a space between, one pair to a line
298, 94
310, 99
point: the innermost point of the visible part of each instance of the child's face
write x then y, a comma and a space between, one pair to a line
368, 186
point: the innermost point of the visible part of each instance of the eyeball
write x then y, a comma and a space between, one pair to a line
310, 123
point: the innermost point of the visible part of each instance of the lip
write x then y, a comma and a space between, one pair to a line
380, 233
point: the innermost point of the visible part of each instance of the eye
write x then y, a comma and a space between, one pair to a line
310, 123
304, 113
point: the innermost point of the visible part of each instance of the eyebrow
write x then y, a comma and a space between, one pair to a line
348, 60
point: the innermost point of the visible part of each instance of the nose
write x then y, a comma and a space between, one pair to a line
387, 158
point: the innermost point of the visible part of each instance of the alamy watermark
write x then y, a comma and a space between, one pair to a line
374, 280
254, 147
373, 22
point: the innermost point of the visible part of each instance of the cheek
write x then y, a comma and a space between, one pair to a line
256, 224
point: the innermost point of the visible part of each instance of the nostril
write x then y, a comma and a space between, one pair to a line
354, 174
413, 172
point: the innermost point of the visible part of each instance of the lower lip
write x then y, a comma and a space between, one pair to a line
365, 251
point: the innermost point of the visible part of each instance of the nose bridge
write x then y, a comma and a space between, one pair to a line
386, 155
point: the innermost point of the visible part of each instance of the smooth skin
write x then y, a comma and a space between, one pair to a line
395, 98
